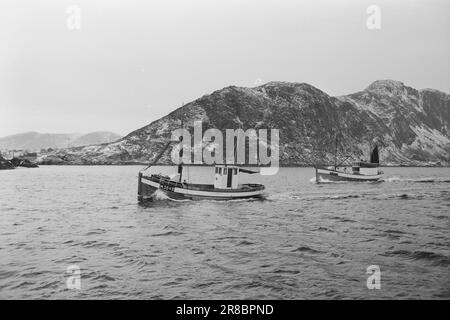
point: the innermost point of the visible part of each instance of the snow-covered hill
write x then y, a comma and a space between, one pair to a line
411, 126
35, 141
96, 137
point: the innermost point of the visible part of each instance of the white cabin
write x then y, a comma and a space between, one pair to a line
226, 177
365, 168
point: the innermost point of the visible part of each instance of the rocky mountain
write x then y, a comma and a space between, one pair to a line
411, 126
35, 141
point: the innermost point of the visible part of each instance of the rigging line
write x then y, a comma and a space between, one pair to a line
158, 156
163, 151
303, 158
337, 133
342, 162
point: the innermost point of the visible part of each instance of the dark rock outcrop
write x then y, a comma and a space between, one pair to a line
17, 162
5, 164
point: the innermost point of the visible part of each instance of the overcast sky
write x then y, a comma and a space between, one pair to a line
132, 62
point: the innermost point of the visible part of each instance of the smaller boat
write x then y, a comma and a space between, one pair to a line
359, 171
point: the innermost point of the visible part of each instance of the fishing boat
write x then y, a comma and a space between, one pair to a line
359, 171
225, 187
224, 184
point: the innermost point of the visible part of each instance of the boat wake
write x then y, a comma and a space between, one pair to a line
322, 180
311, 197
262, 198
418, 180
326, 181
389, 179
159, 195
348, 196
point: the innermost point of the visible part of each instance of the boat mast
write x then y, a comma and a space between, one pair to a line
336, 140
335, 151
235, 145
235, 138
180, 166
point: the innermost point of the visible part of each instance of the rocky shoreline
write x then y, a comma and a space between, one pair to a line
16, 162
289, 165
5, 164
70, 161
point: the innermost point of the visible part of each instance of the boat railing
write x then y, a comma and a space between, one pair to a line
165, 180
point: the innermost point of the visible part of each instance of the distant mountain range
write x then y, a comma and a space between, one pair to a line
412, 127
35, 141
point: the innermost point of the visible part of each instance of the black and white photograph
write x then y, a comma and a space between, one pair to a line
235, 152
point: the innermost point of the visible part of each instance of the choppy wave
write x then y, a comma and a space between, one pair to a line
305, 241
436, 259
305, 249
168, 233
